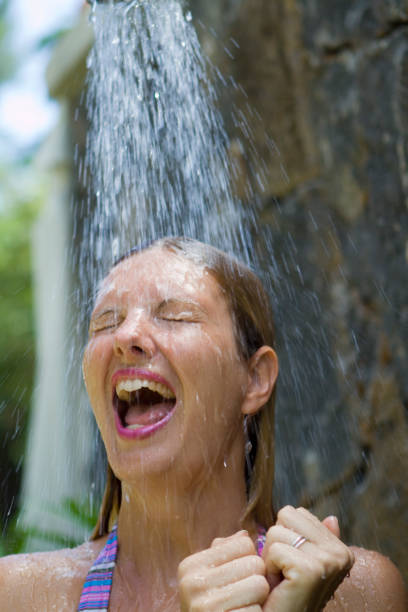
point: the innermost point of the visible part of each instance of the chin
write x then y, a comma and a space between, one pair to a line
138, 466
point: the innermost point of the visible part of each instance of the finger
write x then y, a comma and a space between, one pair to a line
232, 572
284, 558
313, 562
221, 541
304, 523
248, 592
308, 578
277, 533
332, 524
230, 549
255, 608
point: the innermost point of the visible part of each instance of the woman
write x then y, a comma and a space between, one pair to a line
180, 371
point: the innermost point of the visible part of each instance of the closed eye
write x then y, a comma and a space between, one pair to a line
178, 311
181, 317
104, 322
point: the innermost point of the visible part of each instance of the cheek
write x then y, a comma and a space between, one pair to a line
94, 357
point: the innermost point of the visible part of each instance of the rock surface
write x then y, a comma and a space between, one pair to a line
330, 81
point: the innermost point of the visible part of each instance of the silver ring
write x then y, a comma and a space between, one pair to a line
298, 541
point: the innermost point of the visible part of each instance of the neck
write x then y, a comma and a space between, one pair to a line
161, 523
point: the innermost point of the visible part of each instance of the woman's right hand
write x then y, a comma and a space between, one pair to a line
227, 576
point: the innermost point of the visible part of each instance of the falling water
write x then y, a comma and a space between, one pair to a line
157, 153
158, 163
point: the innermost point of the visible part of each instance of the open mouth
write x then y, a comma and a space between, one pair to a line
142, 404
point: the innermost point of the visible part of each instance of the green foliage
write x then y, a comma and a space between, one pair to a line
50, 40
16, 344
83, 516
7, 63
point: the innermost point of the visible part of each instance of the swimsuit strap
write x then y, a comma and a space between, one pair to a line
260, 541
98, 584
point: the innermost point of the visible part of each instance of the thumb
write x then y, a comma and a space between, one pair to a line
332, 524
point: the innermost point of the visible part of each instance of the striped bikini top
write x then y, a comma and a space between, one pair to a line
98, 584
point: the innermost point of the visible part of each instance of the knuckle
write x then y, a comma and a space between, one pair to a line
313, 570
217, 542
344, 558
198, 606
186, 565
182, 568
275, 548
192, 584
271, 535
350, 558
254, 565
283, 512
318, 567
260, 584
248, 546
258, 565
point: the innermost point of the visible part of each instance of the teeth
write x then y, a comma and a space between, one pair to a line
125, 387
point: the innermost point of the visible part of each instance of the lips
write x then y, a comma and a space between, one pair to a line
143, 402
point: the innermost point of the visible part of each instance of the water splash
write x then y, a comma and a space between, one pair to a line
157, 160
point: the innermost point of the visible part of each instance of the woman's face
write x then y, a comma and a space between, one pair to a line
162, 369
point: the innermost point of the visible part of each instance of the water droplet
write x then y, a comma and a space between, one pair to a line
189, 16
157, 95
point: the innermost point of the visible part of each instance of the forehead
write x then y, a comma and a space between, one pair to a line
159, 274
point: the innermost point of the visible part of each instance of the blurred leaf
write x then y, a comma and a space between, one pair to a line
80, 514
50, 39
7, 59
16, 341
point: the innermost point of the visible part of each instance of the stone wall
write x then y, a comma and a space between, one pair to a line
330, 81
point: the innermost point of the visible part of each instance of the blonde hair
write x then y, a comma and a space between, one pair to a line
253, 325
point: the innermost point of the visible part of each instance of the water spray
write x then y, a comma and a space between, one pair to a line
91, 2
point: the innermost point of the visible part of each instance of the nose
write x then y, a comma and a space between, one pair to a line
133, 338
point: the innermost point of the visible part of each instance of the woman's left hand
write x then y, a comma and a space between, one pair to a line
305, 561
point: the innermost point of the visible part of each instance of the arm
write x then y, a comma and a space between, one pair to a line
374, 585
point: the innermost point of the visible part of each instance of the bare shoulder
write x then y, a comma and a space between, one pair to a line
374, 585
46, 581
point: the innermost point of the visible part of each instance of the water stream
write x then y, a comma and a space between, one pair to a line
158, 163
157, 151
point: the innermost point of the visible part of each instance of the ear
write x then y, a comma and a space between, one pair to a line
262, 374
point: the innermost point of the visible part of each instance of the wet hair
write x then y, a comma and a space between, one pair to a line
252, 319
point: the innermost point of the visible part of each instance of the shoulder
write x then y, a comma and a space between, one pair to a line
374, 585
46, 581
